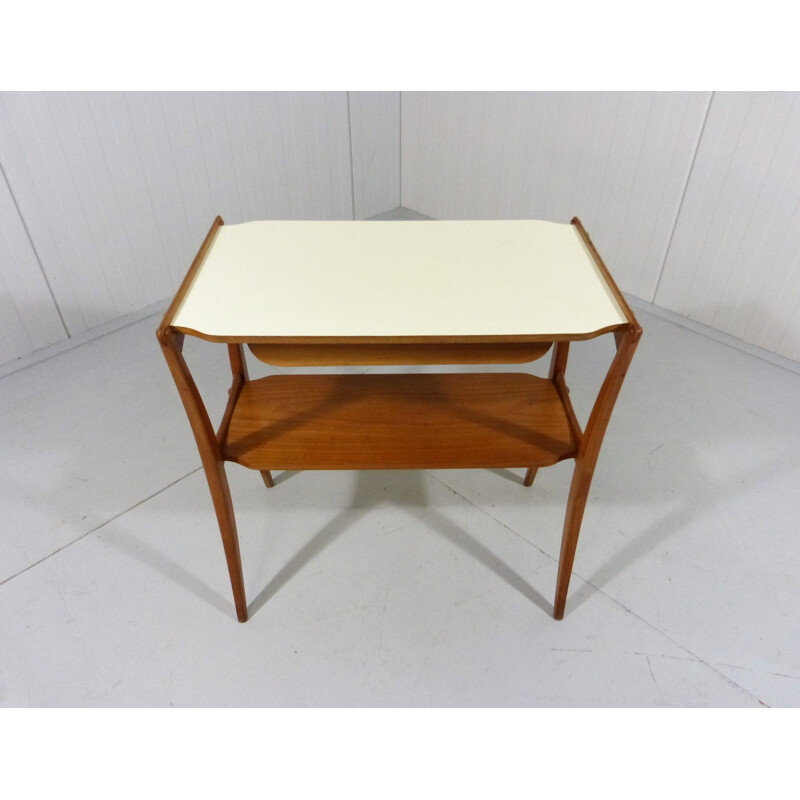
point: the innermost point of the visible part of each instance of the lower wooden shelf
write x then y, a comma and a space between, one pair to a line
399, 421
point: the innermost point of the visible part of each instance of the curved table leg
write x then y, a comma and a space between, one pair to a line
211, 457
585, 461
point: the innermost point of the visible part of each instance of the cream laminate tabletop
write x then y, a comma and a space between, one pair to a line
398, 279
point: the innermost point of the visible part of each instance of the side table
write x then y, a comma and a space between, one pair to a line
303, 294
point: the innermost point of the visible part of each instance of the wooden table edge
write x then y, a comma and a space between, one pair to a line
521, 338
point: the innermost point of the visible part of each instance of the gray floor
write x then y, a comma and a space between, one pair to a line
401, 588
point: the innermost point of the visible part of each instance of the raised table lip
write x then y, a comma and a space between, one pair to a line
431, 314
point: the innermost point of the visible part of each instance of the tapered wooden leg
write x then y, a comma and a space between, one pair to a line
211, 456
626, 340
267, 476
530, 475
221, 495
576, 504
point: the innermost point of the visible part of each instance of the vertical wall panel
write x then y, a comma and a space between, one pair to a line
39, 176
29, 318
735, 255
117, 189
617, 160
105, 243
143, 115
314, 140
375, 142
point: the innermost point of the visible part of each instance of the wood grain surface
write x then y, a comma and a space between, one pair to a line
417, 421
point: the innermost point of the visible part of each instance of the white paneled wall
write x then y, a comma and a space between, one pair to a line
375, 131
734, 262
117, 189
617, 160
29, 319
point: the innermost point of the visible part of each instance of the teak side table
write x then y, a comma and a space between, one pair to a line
373, 293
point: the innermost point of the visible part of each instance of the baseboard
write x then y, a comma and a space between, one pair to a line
712, 333
399, 213
76, 341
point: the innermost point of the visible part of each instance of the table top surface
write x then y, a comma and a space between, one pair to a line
399, 279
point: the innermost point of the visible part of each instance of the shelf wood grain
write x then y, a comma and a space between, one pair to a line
399, 421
